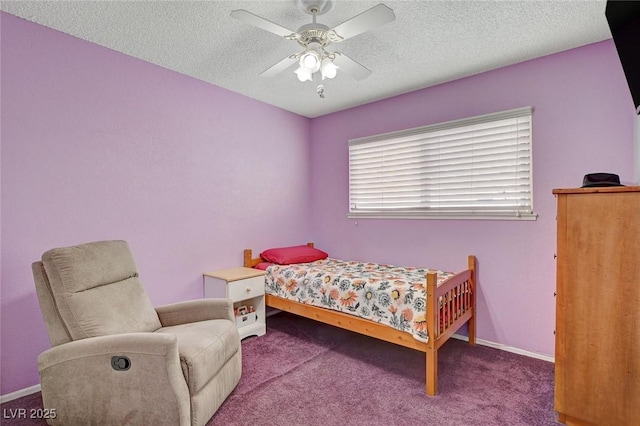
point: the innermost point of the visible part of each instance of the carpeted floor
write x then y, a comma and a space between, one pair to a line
306, 373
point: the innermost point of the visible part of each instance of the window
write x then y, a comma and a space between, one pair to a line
478, 167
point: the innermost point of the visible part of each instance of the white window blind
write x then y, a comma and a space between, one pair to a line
478, 167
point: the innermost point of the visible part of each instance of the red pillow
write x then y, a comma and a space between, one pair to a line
263, 265
295, 254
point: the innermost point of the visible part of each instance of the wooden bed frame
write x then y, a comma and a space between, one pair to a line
458, 298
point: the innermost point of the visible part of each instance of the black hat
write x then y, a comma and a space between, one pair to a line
600, 179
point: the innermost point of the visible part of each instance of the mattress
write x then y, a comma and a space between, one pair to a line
387, 294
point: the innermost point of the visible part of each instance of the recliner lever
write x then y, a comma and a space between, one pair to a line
120, 363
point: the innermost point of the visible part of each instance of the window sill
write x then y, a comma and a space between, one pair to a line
449, 216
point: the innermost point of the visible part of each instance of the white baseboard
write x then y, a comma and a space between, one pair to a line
272, 311
507, 348
19, 393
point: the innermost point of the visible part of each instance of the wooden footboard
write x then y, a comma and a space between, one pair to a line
449, 307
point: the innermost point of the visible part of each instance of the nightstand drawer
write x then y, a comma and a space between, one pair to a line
246, 289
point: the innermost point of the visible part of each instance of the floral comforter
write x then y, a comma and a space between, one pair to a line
391, 295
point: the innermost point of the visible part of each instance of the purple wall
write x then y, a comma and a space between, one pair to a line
582, 122
99, 145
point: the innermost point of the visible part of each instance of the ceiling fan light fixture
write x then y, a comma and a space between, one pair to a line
328, 68
303, 74
310, 61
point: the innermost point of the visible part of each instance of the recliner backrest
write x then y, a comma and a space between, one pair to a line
58, 333
96, 291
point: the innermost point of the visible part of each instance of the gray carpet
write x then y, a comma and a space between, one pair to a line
306, 373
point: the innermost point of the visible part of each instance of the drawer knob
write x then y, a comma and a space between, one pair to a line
248, 289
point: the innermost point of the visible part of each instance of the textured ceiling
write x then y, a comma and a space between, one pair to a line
430, 42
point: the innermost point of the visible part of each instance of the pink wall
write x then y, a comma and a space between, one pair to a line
582, 122
98, 145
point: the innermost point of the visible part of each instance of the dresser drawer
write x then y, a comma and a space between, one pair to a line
246, 289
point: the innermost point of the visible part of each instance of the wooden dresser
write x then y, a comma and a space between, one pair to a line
597, 370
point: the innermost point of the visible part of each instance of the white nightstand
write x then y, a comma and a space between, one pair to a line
245, 286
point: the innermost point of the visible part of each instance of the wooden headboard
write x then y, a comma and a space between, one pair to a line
251, 262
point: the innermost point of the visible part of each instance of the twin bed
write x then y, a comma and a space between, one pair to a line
391, 303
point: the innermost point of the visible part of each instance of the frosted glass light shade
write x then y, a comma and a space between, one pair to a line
310, 61
303, 74
328, 69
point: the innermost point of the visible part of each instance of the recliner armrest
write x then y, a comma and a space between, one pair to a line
121, 367
139, 343
195, 310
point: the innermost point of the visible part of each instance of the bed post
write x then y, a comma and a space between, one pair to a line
472, 285
432, 331
247, 258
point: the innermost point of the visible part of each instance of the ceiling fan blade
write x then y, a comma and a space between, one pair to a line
257, 21
280, 66
349, 66
367, 20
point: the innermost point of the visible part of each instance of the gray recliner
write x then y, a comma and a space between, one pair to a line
115, 359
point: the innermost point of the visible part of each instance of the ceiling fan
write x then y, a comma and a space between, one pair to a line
315, 62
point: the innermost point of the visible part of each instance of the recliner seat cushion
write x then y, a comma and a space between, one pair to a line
97, 290
204, 348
